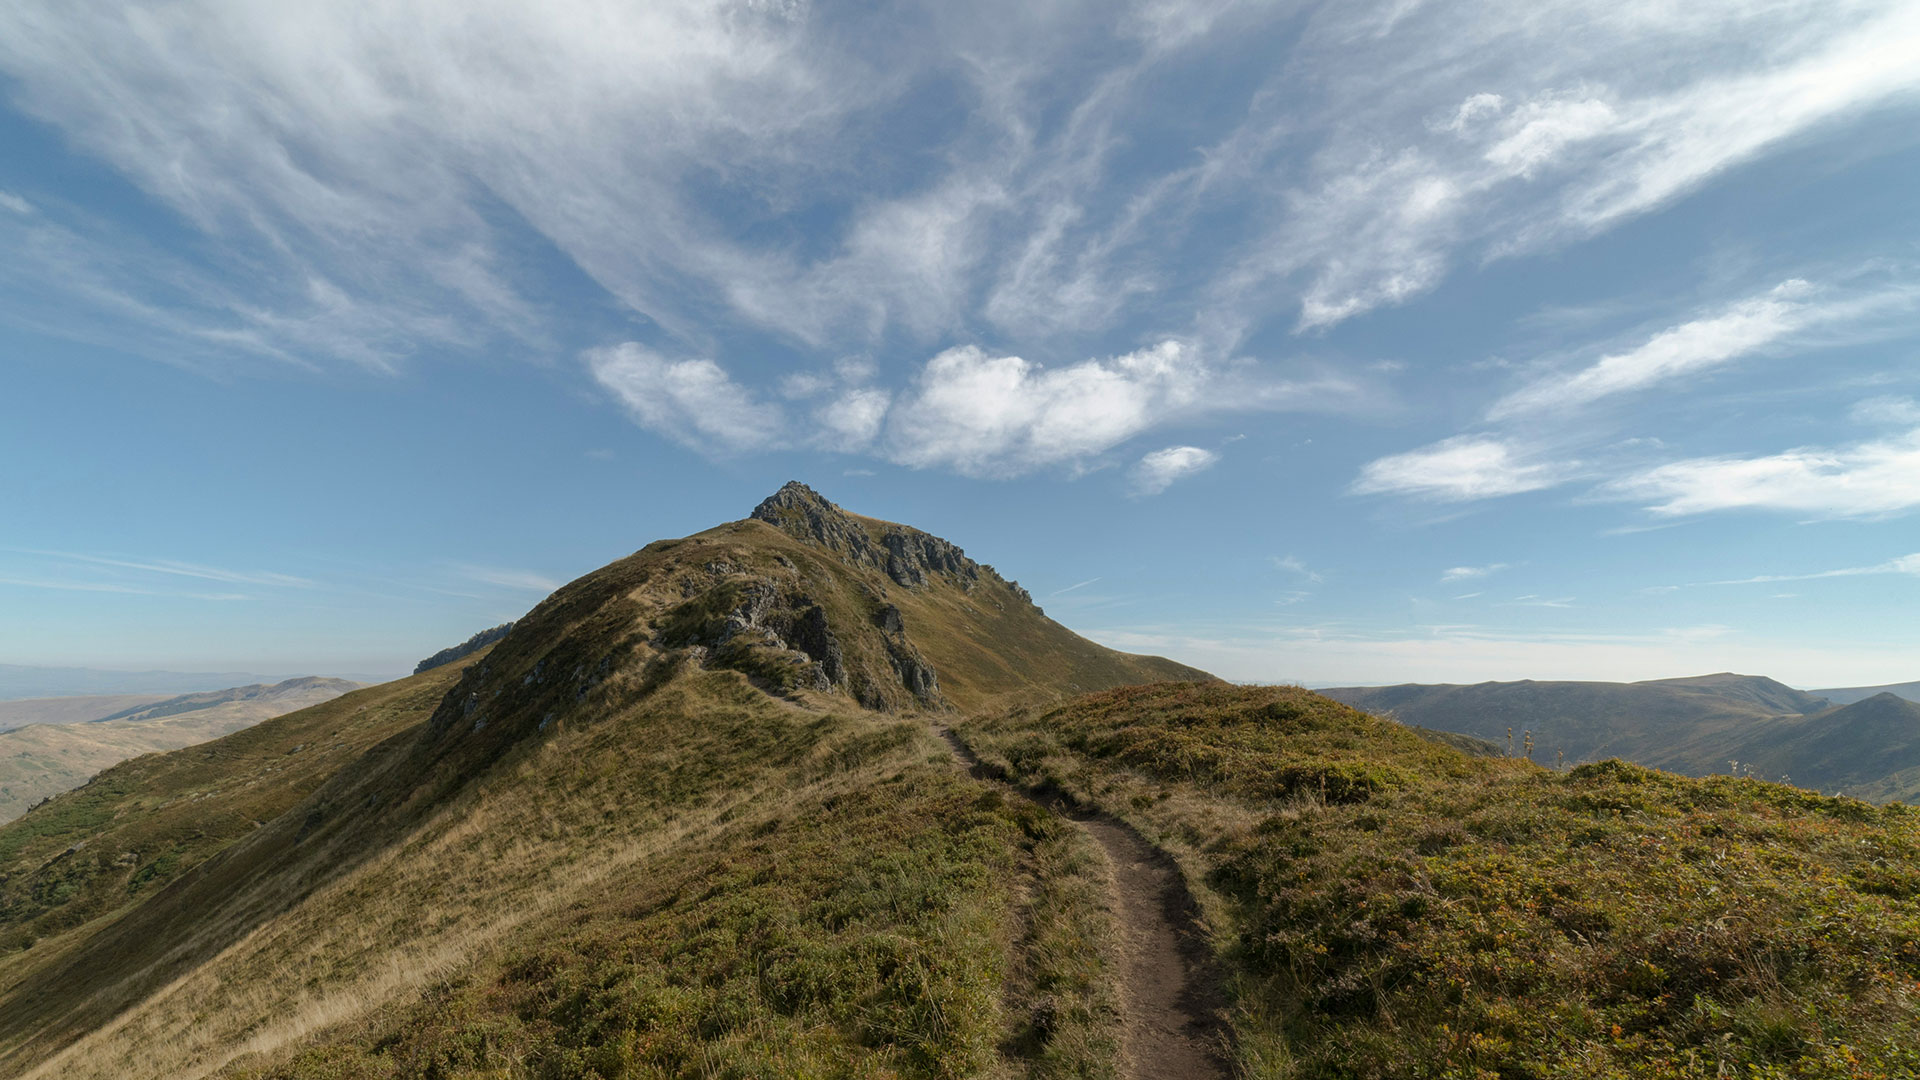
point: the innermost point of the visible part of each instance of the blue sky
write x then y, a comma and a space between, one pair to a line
1348, 342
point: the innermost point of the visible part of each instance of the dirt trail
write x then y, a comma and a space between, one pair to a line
1169, 994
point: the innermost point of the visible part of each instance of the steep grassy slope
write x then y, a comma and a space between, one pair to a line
641, 726
1391, 908
42, 760
142, 823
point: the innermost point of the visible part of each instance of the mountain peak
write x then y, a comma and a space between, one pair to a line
907, 555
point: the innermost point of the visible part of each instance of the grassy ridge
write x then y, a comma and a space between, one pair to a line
1392, 908
862, 933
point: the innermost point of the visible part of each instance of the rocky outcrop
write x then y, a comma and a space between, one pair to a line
908, 556
472, 645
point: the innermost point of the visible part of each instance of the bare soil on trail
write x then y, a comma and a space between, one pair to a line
1170, 996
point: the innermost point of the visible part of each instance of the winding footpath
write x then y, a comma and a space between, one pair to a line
1169, 994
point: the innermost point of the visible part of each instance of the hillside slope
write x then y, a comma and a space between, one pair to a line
745, 697
1388, 907
41, 760
1869, 749
136, 826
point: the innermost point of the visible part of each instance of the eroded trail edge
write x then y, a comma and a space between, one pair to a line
1170, 997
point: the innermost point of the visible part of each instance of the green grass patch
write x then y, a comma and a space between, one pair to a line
1428, 914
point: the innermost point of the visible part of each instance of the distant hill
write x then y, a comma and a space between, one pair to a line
1847, 695
1869, 749
45, 682
1697, 726
466, 648
77, 709
1679, 724
1757, 690
41, 760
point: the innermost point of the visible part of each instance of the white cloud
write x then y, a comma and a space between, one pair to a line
1470, 573
1457, 469
982, 414
1865, 479
711, 161
1552, 141
1703, 343
10, 201
1071, 588
852, 421
1293, 565
1157, 471
694, 402
1905, 564
508, 578
175, 568
1886, 409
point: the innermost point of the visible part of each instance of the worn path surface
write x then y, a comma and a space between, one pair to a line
1169, 994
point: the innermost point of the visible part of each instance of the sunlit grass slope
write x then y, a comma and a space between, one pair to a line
137, 826
1392, 908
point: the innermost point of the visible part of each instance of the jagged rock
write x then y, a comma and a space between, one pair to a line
888, 619
811, 635
905, 555
915, 673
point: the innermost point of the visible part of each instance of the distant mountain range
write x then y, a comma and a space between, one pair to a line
1867, 746
17, 681
1847, 695
41, 760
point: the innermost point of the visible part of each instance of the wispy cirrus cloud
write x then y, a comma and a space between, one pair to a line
1699, 345
695, 158
174, 568
1470, 573
113, 587
1866, 479
507, 578
1905, 564
1774, 319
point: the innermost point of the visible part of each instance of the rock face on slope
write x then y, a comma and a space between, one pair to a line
909, 557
